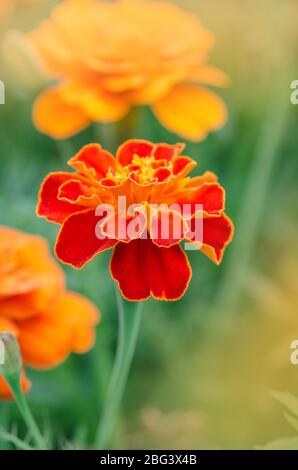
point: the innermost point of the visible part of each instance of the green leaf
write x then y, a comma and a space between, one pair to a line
287, 443
288, 400
13, 439
291, 420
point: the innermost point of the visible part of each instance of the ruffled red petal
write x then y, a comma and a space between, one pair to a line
142, 270
167, 152
167, 227
77, 192
183, 165
49, 205
77, 243
211, 196
125, 227
93, 161
162, 174
126, 151
217, 234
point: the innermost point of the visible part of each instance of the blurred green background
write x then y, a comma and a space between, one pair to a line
205, 366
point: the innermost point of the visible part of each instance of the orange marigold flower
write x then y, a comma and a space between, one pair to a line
146, 175
110, 56
48, 321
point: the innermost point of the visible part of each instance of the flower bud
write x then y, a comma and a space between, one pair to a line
10, 356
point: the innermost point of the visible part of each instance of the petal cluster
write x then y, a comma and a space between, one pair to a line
152, 178
110, 56
48, 321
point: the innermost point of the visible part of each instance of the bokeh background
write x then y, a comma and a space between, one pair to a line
205, 366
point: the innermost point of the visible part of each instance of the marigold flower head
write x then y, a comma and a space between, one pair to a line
110, 56
151, 178
48, 321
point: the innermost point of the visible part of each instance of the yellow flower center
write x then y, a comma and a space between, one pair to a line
142, 166
146, 171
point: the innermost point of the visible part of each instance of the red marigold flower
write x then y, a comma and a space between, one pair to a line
153, 179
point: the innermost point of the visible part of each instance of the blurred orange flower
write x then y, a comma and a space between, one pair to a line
110, 56
6, 6
48, 321
146, 175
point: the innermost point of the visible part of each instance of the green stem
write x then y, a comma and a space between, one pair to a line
4, 419
120, 342
129, 326
128, 127
24, 409
64, 151
105, 134
112, 135
12, 439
